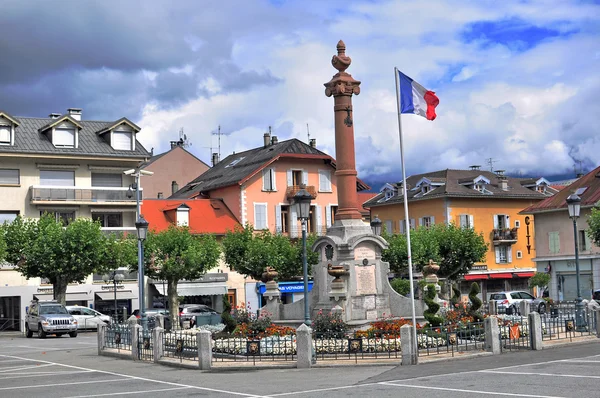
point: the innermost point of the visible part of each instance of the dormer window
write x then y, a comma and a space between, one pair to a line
389, 194
64, 137
425, 189
122, 140
5, 133
62, 132
7, 129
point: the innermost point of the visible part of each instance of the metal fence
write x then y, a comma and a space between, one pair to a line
254, 348
118, 336
562, 323
450, 339
356, 346
145, 345
178, 344
515, 333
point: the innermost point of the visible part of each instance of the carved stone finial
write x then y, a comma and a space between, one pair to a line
341, 61
342, 83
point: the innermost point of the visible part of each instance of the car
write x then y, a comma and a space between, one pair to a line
596, 296
509, 302
87, 318
49, 317
189, 312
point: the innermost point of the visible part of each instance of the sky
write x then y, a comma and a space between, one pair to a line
518, 81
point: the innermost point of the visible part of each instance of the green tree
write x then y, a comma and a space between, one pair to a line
401, 286
540, 280
2, 243
175, 254
594, 225
119, 252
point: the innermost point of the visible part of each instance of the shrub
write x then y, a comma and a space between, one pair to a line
475, 301
242, 314
455, 299
226, 317
401, 286
330, 325
385, 327
430, 313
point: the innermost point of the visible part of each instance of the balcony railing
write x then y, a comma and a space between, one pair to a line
93, 195
505, 235
118, 230
293, 190
296, 232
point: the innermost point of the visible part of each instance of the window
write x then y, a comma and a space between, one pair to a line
110, 220
297, 177
5, 135
501, 221
107, 180
553, 242
9, 176
389, 226
515, 296
526, 296
64, 137
65, 217
324, 180
503, 254
402, 226
519, 254
517, 224
584, 241
268, 178
236, 161
285, 226
260, 216
334, 210
183, 216
465, 221
122, 140
59, 178
427, 221
8, 216
498, 296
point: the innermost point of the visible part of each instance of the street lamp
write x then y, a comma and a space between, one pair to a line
114, 278
574, 205
302, 202
142, 230
376, 226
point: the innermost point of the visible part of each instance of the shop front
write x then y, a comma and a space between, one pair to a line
125, 298
563, 284
209, 290
494, 281
290, 291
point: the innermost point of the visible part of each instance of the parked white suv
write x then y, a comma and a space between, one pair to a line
509, 302
87, 318
49, 317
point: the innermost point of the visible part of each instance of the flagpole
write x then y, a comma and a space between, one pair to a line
414, 355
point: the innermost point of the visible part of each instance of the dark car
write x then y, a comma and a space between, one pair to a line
189, 312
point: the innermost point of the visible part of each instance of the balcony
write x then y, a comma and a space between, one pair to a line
293, 190
504, 236
118, 230
42, 194
296, 232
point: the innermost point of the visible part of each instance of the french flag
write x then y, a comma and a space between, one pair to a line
416, 99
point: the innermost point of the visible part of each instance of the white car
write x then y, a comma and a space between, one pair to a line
87, 318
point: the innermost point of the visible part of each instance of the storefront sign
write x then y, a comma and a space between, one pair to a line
112, 287
288, 287
479, 268
48, 290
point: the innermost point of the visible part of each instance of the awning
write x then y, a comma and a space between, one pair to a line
75, 296
501, 276
524, 274
195, 289
476, 277
121, 295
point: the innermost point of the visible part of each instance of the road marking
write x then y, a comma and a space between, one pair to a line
41, 374
63, 384
579, 361
129, 392
539, 374
318, 390
16, 368
468, 391
137, 377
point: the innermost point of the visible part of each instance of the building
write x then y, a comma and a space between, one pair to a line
555, 241
68, 167
171, 169
202, 216
488, 202
258, 185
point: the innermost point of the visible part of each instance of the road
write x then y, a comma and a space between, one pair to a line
67, 367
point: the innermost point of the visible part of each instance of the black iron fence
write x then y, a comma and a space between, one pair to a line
564, 322
254, 348
145, 345
450, 339
359, 345
118, 336
515, 333
180, 344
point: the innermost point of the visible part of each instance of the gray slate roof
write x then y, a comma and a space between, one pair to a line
221, 176
452, 188
29, 140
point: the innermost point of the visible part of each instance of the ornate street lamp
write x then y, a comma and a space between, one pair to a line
142, 230
574, 205
302, 202
376, 226
114, 277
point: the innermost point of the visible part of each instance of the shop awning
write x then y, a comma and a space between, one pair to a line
524, 274
501, 276
121, 295
476, 277
75, 296
195, 289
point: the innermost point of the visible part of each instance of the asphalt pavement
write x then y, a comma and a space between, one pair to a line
70, 367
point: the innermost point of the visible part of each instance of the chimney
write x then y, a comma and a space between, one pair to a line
160, 195
75, 113
173, 144
174, 187
267, 138
500, 173
274, 140
313, 143
475, 167
215, 158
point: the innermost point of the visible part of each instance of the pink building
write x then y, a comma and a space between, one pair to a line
258, 185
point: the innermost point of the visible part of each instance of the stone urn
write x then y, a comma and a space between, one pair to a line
337, 271
430, 272
269, 275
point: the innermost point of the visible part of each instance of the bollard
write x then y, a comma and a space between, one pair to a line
535, 331
304, 347
101, 337
408, 345
492, 335
135, 341
204, 340
157, 348
524, 308
597, 313
493, 307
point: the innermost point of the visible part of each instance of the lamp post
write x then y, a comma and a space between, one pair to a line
302, 201
114, 278
142, 229
574, 205
376, 226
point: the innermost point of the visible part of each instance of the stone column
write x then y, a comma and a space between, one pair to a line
101, 337
341, 87
157, 347
535, 331
160, 320
493, 307
492, 335
204, 340
597, 313
408, 345
524, 308
304, 347
135, 341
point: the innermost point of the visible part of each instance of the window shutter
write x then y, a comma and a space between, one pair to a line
64, 137
471, 224
402, 226
121, 140
265, 175
495, 221
509, 254
507, 221
328, 215
420, 221
5, 134
322, 180
318, 210
273, 179
328, 180
461, 221
412, 223
107, 180
389, 228
9, 176
588, 241
59, 178
293, 222
278, 218
290, 180
432, 220
557, 242
305, 177
551, 248
497, 250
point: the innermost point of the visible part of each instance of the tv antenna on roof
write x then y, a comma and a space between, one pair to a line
183, 140
308, 132
218, 134
490, 162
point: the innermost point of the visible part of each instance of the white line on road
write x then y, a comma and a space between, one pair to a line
129, 392
16, 368
63, 384
537, 374
137, 377
580, 361
468, 391
42, 374
318, 390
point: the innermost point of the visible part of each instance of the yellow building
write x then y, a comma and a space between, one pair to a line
488, 202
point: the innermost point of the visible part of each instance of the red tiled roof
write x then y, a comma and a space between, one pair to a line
590, 197
206, 216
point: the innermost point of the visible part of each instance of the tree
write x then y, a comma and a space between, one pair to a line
175, 254
45, 248
594, 225
2, 243
119, 252
540, 280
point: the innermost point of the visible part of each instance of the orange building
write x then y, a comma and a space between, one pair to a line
258, 185
488, 202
